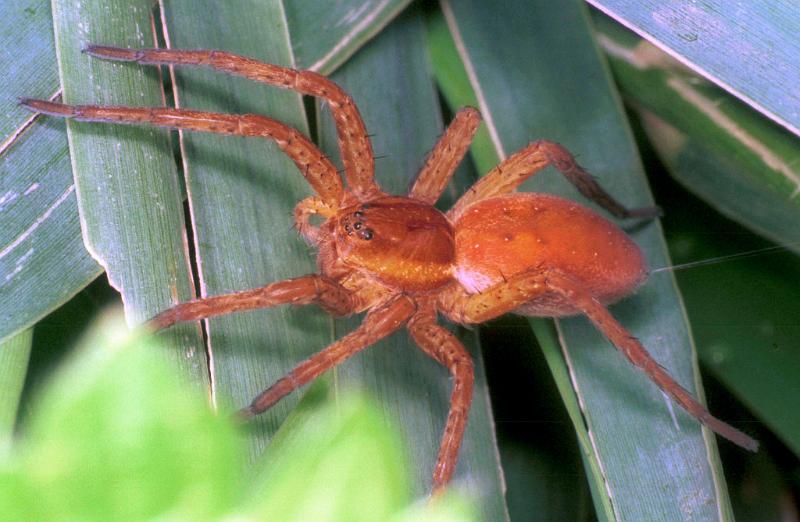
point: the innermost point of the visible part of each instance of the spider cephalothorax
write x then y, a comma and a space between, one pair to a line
403, 261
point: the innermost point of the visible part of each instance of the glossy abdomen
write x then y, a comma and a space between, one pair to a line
500, 237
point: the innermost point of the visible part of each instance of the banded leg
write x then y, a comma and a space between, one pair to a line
441, 345
523, 164
299, 291
638, 355
445, 156
354, 142
313, 164
376, 325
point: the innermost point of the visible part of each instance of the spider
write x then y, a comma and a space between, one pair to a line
404, 262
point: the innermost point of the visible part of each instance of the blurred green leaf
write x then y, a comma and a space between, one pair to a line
342, 461
116, 436
715, 145
750, 48
535, 70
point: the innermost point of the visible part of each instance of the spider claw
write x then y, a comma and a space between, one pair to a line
108, 52
243, 416
45, 107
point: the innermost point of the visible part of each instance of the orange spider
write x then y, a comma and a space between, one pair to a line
403, 261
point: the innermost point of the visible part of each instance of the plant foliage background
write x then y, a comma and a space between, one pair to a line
573, 429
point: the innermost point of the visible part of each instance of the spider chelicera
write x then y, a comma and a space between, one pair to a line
404, 262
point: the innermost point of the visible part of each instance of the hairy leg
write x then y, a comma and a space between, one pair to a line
499, 299
354, 142
313, 164
376, 325
638, 355
304, 290
523, 164
440, 344
445, 156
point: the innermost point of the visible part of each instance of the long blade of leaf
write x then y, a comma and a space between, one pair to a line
715, 145
326, 34
241, 193
128, 193
42, 258
751, 49
536, 70
14, 355
390, 81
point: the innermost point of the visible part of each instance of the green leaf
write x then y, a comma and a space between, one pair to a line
536, 74
14, 355
241, 194
125, 177
744, 314
326, 34
390, 81
42, 258
338, 460
713, 144
751, 49
116, 436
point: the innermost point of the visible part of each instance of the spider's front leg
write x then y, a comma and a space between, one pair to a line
354, 141
310, 289
313, 164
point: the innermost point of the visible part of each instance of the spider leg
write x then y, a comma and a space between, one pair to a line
376, 325
354, 142
445, 156
498, 299
523, 164
638, 355
313, 164
444, 347
309, 289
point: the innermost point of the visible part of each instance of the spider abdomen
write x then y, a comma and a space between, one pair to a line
501, 237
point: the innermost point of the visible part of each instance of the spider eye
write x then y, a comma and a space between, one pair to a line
366, 234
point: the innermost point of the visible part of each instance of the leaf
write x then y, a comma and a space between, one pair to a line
341, 462
712, 143
241, 194
42, 258
14, 355
326, 34
128, 194
743, 311
390, 82
566, 97
736, 47
98, 445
